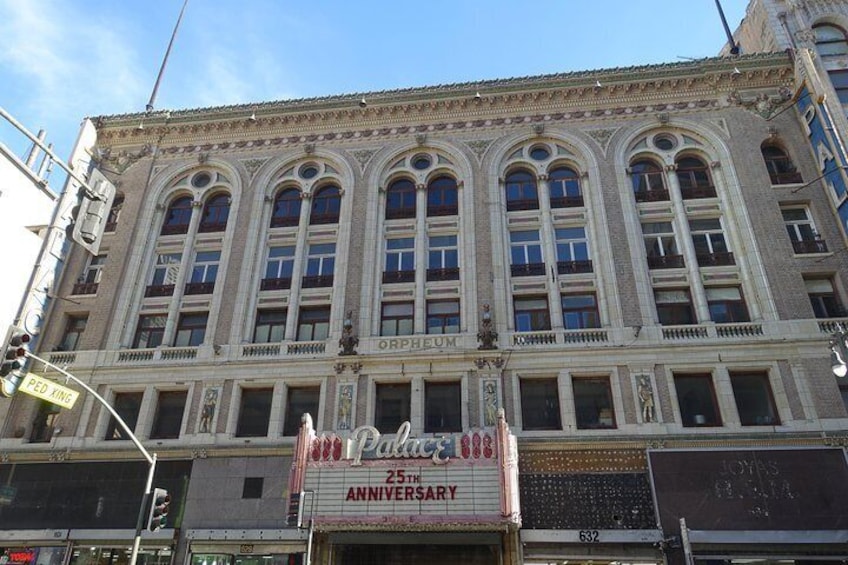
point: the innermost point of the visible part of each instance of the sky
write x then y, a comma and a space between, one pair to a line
64, 60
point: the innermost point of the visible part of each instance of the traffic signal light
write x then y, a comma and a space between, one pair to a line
14, 359
160, 502
89, 217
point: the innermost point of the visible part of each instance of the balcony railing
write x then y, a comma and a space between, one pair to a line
275, 284
665, 261
715, 259
786, 178
572, 267
528, 269
390, 277
200, 288
85, 288
534, 338
159, 290
524, 204
284, 221
211, 227
444, 210
400, 213
567, 201
809, 246
306, 348
174, 229
694, 192
443, 274
655, 195
318, 219
316, 281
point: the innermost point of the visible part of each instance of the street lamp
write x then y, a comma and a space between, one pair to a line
839, 352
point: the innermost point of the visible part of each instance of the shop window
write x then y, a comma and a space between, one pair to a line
823, 298
540, 404
708, 240
215, 214
661, 246
442, 197
780, 167
521, 191
214, 559
254, 412
320, 264
400, 260
73, 332
400, 200
204, 272
648, 181
442, 407
580, 311
300, 401
593, 403
443, 258
191, 329
326, 206
150, 331
564, 184
286, 212
697, 400
526, 253
178, 216
391, 406
443, 316
169, 415
397, 318
127, 405
674, 307
532, 314
252, 487
270, 326
278, 268
314, 323
572, 247
754, 399
694, 178
726, 305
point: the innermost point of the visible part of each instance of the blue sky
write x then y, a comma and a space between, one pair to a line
63, 60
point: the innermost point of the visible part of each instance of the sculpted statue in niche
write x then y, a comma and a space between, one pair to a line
207, 413
490, 403
345, 406
646, 399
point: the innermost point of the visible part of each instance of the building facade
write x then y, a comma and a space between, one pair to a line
603, 297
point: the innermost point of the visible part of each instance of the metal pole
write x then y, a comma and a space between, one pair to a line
149, 106
145, 501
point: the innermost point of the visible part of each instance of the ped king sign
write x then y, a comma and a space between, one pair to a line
46, 389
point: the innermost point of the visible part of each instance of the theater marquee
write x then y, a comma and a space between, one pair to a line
371, 479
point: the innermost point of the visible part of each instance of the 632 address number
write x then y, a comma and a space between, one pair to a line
590, 536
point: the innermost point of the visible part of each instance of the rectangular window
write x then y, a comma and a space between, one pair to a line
442, 407
254, 412
754, 400
726, 305
823, 298
674, 307
314, 323
593, 403
252, 487
169, 415
73, 332
127, 405
708, 240
661, 246
270, 326
391, 406
320, 264
540, 404
532, 314
191, 329
526, 253
572, 247
94, 270
400, 260
300, 401
203, 272
397, 318
580, 311
43, 425
278, 268
802, 232
167, 269
443, 317
839, 79
443, 252
150, 331
697, 401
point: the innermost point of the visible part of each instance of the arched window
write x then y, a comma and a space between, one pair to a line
442, 197
830, 40
215, 213
286, 208
400, 200
695, 179
521, 191
648, 181
178, 216
326, 205
565, 188
780, 167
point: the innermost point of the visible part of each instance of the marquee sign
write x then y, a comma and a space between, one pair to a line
371, 479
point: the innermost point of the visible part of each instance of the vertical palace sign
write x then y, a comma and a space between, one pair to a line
372, 480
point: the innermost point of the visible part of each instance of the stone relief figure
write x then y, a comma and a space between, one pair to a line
345, 406
207, 413
646, 399
490, 403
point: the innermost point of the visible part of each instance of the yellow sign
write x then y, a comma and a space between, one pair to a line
46, 389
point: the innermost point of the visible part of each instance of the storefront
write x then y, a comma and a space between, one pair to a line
390, 499
752, 505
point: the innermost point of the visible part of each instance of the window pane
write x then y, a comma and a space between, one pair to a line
300, 401
540, 404
169, 415
696, 399
442, 407
127, 405
391, 408
593, 404
754, 400
254, 413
